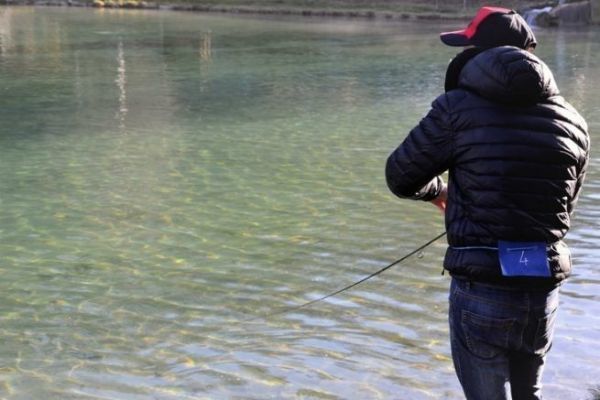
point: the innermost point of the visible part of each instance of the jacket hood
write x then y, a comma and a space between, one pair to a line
508, 75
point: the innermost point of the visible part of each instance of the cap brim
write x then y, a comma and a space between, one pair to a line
455, 38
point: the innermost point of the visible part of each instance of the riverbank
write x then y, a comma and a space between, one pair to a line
391, 10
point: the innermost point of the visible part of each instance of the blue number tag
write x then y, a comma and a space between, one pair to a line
523, 259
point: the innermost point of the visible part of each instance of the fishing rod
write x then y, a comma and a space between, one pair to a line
366, 278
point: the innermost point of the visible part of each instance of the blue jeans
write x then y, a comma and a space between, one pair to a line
499, 339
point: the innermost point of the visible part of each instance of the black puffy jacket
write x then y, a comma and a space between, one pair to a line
516, 153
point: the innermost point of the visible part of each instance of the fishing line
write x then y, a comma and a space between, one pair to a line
366, 278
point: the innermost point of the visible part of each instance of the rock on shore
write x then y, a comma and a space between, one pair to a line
579, 13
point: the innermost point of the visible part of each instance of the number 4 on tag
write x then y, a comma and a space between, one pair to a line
523, 259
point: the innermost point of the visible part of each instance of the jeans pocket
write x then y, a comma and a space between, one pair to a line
544, 333
486, 337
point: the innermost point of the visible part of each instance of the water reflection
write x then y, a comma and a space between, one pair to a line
121, 81
5, 30
205, 48
580, 74
77, 78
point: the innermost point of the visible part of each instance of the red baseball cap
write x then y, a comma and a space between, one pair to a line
492, 27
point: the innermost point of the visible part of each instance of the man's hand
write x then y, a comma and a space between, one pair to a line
440, 201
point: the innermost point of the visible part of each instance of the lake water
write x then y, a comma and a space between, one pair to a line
168, 176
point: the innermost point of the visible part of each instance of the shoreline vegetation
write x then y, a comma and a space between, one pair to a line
364, 9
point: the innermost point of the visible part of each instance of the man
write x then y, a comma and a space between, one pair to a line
516, 154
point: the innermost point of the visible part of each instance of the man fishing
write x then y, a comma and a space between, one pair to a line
516, 154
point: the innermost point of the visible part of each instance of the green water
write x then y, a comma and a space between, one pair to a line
166, 175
